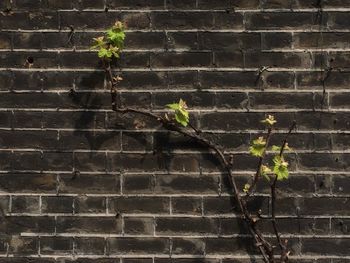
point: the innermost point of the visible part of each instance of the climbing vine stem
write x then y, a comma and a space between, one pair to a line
109, 47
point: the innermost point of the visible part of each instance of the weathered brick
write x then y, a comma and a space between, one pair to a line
88, 225
125, 4
224, 246
28, 182
72, 120
21, 246
181, 20
21, 160
29, 20
87, 246
312, 206
90, 162
228, 20
56, 245
182, 40
55, 100
27, 40
277, 4
331, 245
323, 161
26, 4
57, 204
185, 246
186, 205
226, 205
338, 20
340, 184
268, 100
173, 59
233, 120
283, 20
315, 80
12, 225
81, 20
186, 184
84, 183
340, 226
4, 204
5, 40
276, 40
227, 79
139, 226
187, 226
130, 99
6, 79
186, 260
339, 59
321, 40
137, 141
136, 20
87, 4
138, 183
89, 204
231, 141
18, 59
25, 204
277, 59
143, 80
145, 205
138, 245
84, 140
338, 100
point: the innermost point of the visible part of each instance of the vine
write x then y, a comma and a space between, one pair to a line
177, 119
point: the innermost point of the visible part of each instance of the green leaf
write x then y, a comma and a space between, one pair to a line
173, 106
270, 120
181, 114
99, 43
258, 147
116, 37
114, 51
265, 171
246, 188
276, 148
181, 118
103, 53
112, 43
280, 168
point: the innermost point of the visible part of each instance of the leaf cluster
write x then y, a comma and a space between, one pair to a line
111, 44
259, 146
180, 112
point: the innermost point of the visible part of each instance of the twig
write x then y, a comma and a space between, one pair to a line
261, 160
283, 247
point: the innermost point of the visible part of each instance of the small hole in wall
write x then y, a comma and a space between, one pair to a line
30, 60
336, 160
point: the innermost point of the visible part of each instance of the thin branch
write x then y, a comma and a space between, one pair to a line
283, 247
261, 160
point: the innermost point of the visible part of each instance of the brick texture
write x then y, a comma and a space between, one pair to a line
81, 184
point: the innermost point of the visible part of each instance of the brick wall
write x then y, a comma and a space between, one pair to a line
81, 184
